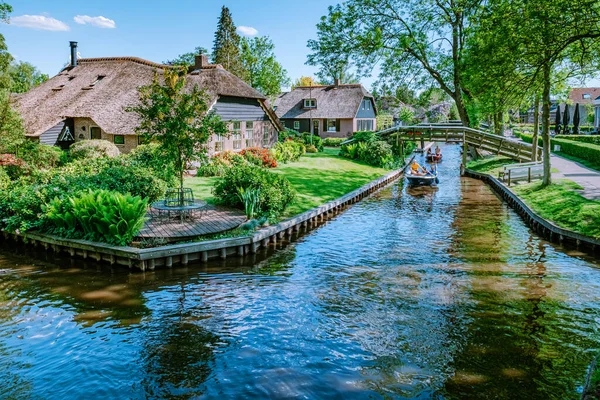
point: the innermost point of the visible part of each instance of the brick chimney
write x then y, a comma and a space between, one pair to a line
200, 61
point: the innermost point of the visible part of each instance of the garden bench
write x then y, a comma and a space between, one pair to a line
518, 172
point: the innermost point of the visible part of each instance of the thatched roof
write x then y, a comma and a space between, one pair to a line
70, 94
341, 101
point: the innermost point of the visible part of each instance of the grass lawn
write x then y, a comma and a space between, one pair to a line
317, 178
490, 165
561, 204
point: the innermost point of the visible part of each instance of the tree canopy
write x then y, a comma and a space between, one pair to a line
187, 59
260, 68
177, 118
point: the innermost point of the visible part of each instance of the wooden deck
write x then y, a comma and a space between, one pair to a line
212, 219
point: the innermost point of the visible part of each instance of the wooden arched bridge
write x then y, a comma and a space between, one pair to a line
456, 132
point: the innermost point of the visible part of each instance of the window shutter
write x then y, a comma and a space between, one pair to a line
337, 125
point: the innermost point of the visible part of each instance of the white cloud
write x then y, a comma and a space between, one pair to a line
247, 30
99, 21
39, 22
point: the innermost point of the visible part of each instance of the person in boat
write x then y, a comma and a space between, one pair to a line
429, 151
437, 151
416, 168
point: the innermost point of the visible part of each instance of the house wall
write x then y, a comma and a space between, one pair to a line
259, 140
355, 123
82, 131
366, 109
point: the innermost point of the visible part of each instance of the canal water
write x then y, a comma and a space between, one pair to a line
413, 293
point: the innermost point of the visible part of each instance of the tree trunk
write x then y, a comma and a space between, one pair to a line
536, 127
498, 125
546, 126
462, 110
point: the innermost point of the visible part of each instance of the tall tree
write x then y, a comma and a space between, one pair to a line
12, 134
25, 76
422, 41
187, 59
559, 36
178, 118
261, 69
226, 47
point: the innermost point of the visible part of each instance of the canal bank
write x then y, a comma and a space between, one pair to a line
182, 254
411, 293
540, 225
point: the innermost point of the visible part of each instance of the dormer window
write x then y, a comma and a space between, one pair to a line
310, 103
587, 96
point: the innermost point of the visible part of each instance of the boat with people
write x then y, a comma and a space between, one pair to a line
434, 156
418, 175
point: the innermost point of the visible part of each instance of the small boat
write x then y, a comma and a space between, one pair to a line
434, 157
428, 179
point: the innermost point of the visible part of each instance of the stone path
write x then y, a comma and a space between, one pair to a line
211, 220
588, 178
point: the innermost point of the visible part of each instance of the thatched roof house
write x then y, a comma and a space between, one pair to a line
87, 100
336, 110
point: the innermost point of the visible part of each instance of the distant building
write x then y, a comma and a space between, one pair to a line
87, 100
580, 96
336, 110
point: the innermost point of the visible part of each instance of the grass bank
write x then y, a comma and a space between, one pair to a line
560, 202
563, 205
317, 178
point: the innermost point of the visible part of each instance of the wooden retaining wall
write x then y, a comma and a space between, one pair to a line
539, 225
182, 254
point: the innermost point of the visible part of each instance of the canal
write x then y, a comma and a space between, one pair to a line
412, 293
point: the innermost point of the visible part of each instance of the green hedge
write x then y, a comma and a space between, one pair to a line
593, 139
572, 145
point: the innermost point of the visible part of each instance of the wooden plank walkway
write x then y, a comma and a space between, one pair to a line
211, 220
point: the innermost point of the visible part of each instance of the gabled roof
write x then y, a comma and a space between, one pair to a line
70, 94
576, 95
341, 101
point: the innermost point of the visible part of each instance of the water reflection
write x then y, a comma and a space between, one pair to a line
413, 293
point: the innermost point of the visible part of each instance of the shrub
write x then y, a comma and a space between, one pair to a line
365, 136
377, 153
593, 139
311, 149
14, 166
152, 157
288, 134
289, 150
259, 156
98, 215
136, 181
94, 148
41, 155
585, 151
4, 179
333, 142
276, 192
314, 140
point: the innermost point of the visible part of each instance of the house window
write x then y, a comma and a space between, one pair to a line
364, 125
249, 133
237, 135
297, 125
95, 132
368, 104
310, 103
587, 96
363, 104
218, 143
119, 139
266, 136
332, 125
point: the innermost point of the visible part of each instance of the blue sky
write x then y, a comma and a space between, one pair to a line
155, 30
158, 30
